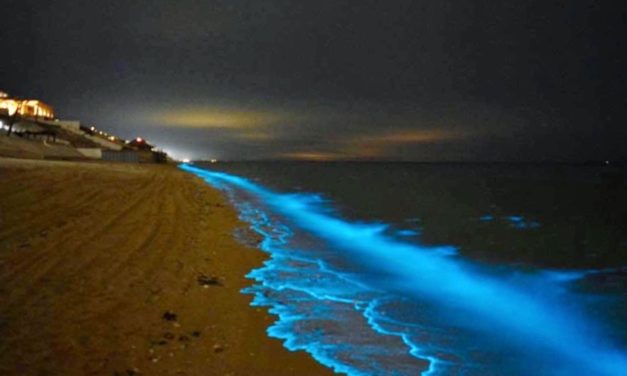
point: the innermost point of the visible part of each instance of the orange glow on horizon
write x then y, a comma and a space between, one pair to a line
410, 137
376, 146
216, 118
312, 156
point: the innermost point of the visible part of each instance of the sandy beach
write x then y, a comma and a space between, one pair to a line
114, 269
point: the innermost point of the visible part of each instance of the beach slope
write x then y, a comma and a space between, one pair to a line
124, 270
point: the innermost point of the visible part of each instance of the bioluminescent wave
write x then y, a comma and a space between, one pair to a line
365, 302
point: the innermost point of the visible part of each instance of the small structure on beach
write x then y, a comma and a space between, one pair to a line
140, 144
137, 150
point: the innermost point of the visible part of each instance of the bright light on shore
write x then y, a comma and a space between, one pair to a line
186, 160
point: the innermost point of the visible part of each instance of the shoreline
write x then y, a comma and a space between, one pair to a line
128, 269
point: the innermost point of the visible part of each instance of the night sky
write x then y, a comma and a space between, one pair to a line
394, 80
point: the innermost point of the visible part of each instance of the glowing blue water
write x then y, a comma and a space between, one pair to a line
365, 302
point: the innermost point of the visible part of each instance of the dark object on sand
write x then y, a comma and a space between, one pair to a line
129, 372
169, 316
203, 280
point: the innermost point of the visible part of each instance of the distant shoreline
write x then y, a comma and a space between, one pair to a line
600, 164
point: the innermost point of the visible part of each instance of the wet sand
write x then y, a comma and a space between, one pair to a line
113, 269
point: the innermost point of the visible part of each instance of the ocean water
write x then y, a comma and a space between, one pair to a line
439, 269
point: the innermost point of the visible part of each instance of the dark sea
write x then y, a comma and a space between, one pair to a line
439, 269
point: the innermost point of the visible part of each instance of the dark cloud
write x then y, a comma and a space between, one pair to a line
528, 80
